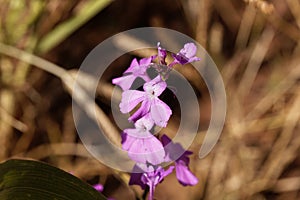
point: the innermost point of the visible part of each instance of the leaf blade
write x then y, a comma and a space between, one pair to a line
26, 179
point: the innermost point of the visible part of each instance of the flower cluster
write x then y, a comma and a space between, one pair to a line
148, 110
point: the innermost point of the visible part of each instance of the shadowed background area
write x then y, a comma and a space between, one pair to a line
254, 43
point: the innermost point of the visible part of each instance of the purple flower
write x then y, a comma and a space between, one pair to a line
186, 55
162, 54
183, 174
142, 146
158, 111
99, 187
136, 69
151, 176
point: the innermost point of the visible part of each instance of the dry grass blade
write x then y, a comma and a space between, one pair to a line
6, 117
275, 94
79, 96
255, 62
60, 149
264, 6
275, 162
287, 184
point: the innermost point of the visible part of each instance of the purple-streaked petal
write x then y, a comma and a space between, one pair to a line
179, 59
160, 113
130, 99
186, 55
159, 87
184, 175
155, 87
142, 111
125, 81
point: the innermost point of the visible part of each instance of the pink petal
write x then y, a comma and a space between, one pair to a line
155, 151
141, 112
145, 77
128, 138
189, 50
160, 113
146, 149
159, 87
184, 175
124, 82
144, 123
146, 61
155, 86
99, 187
133, 66
168, 171
130, 99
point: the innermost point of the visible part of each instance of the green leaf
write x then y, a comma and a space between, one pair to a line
65, 29
25, 179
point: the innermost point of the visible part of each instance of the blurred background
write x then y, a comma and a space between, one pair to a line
254, 43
